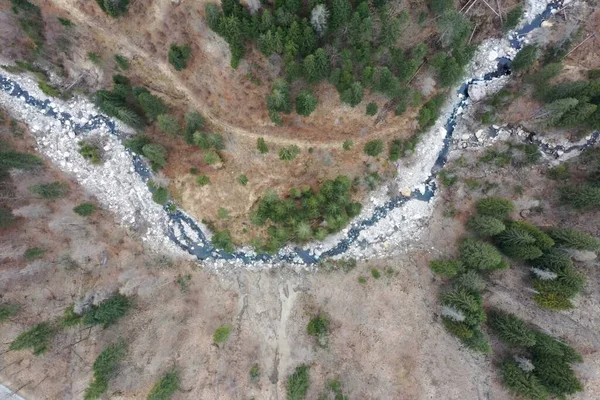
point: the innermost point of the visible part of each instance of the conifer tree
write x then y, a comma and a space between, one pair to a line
447, 268
525, 58
522, 383
553, 260
521, 252
511, 329
305, 103
340, 13
557, 377
153, 106
470, 281
574, 239
353, 95
479, 255
169, 124
495, 207
486, 225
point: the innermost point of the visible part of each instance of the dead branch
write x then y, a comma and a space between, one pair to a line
487, 4
585, 40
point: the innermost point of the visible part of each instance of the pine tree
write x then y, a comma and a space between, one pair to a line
479, 255
511, 329
169, 124
155, 153
308, 42
574, 239
447, 268
525, 58
470, 281
341, 11
193, 123
522, 383
213, 16
542, 240
486, 225
309, 69
306, 103
322, 63
557, 377
556, 110
554, 260
153, 106
353, 95
495, 207
577, 115
521, 252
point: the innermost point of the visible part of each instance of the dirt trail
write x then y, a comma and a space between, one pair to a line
164, 69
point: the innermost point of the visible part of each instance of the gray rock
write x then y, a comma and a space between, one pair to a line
583, 255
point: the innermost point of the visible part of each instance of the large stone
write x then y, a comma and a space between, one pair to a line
477, 91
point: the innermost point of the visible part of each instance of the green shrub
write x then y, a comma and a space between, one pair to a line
169, 124
439, 7
261, 146
65, 22
495, 207
202, 180
13, 159
37, 338
560, 172
375, 273
574, 239
50, 191
373, 148
522, 383
298, 383
179, 56
242, 180
7, 310
90, 152
447, 268
319, 327
479, 255
33, 252
255, 372
95, 58
48, 89
7, 218
107, 312
552, 301
371, 108
485, 225
211, 157
289, 153
114, 8
347, 145
30, 20
511, 329
581, 197
165, 387
85, 209
222, 240
105, 367
122, 62
222, 334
